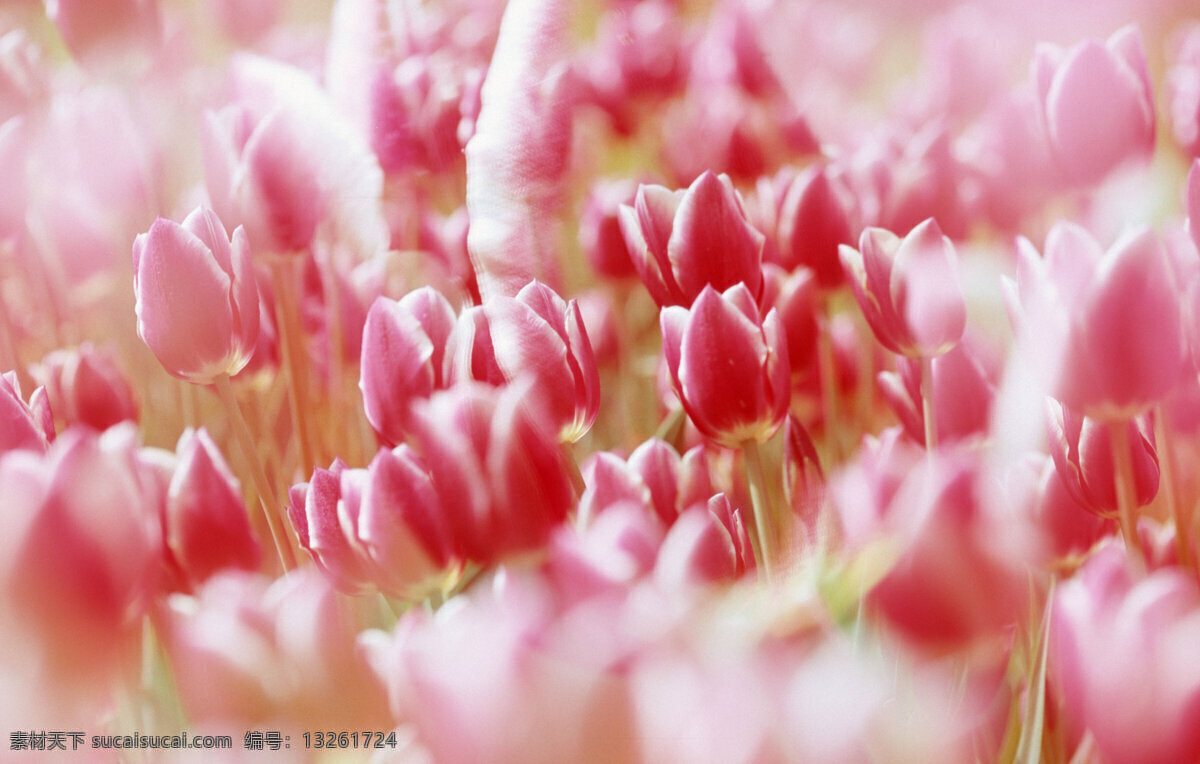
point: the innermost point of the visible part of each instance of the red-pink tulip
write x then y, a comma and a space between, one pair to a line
728, 366
1122, 659
908, 289
655, 476
86, 386
1100, 329
963, 388
1097, 104
197, 298
78, 548
1183, 89
375, 528
705, 544
248, 652
814, 220
496, 466
1082, 451
23, 425
207, 528
600, 229
539, 337
683, 241
403, 357
795, 296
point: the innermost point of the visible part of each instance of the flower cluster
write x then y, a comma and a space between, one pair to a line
670, 380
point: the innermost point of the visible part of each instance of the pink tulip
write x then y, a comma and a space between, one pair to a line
728, 367
706, 544
795, 296
197, 298
814, 220
1183, 88
23, 425
248, 652
1100, 329
964, 383
654, 477
959, 573
683, 241
617, 549
470, 354
78, 549
1082, 451
908, 289
496, 466
207, 528
376, 528
107, 28
537, 336
403, 357
1122, 660
1097, 104
600, 229
87, 387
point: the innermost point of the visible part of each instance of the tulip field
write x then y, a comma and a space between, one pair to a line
600, 381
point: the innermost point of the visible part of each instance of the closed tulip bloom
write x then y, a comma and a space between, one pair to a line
78, 545
728, 366
207, 527
1101, 330
908, 289
497, 467
539, 336
403, 357
814, 222
1123, 658
324, 512
197, 298
1082, 452
683, 241
87, 387
1097, 104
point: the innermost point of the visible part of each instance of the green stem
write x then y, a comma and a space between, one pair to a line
760, 498
266, 494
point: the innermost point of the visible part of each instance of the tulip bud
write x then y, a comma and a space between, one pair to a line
105, 28
87, 387
1097, 104
706, 544
538, 336
794, 295
728, 366
683, 241
600, 229
324, 512
403, 357
908, 289
207, 527
197, 298
23, 425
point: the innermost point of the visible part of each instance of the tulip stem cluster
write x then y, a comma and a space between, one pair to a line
293, 357
764, 518
268, 500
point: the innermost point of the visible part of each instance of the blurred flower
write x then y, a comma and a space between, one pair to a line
1122, 662
87, 387
1097, 104
1100, 329
23, 425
